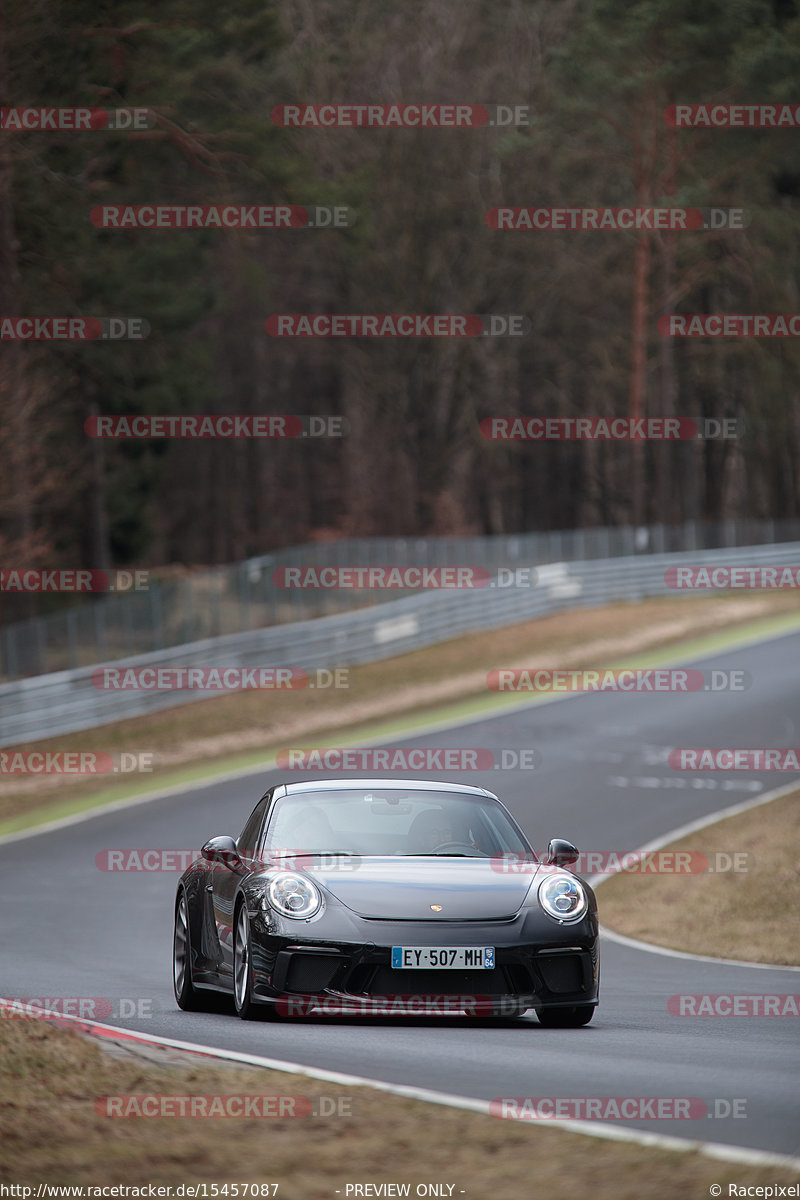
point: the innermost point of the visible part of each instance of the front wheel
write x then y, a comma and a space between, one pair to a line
242, 970
186, 994
566, 1018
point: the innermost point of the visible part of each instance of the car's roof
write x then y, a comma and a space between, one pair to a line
408, 785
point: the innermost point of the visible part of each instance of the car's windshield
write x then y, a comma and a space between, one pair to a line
391, 821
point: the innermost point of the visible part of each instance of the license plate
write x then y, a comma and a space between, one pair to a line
450, 958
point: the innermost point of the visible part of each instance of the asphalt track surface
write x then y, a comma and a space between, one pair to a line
70, 929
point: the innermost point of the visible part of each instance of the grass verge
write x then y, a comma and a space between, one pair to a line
385, 699
749, 914
50, 1132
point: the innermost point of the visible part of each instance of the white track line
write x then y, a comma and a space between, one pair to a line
598, 1129
673, 836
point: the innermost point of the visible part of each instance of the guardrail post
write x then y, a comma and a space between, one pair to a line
72, 640
156, 617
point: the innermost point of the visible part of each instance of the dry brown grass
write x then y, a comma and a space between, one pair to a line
750, 915
51, 1133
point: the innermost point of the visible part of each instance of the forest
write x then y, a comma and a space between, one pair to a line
565, 319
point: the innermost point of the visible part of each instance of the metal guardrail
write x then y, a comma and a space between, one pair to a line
67, 701
188, 606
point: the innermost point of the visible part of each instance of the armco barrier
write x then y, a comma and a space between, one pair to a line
178, 605
66, 701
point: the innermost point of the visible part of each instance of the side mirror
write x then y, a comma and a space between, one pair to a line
223, 850
561, 853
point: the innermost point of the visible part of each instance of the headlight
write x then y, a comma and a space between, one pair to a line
563, 897
293, 895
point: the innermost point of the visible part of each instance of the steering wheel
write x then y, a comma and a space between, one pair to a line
461, 846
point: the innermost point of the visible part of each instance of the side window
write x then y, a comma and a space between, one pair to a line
248, 838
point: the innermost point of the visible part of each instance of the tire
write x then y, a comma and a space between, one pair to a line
187, 995
243, 970
566, 1018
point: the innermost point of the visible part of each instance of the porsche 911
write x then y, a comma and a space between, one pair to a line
405, 897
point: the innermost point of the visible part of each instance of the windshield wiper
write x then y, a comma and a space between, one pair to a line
437, 854
311, 853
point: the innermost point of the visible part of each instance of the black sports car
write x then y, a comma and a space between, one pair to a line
386, 896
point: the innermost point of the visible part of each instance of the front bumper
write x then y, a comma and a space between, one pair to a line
560, 968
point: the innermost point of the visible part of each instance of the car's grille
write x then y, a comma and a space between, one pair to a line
561, 972
359, 977
519, 977
311, 972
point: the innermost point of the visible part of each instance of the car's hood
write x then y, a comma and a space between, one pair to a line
405, 889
